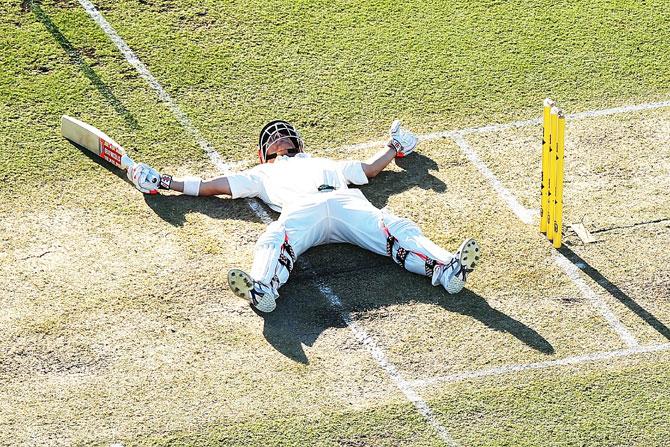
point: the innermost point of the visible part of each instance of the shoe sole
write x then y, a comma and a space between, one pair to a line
240, 283
469, 254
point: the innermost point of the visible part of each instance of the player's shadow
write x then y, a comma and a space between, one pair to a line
303, 312
173, 208
615, 291
416, 173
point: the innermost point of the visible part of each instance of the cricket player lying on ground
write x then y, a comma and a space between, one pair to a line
317, 208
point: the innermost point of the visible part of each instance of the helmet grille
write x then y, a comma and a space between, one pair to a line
275, 131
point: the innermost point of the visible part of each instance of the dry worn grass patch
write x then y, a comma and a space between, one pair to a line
616, 175
117, 305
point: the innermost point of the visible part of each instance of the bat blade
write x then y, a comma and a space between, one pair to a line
94, 140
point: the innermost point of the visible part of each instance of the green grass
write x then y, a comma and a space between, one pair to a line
622, 406
342, 70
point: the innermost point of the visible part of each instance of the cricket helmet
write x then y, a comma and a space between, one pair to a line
275, 131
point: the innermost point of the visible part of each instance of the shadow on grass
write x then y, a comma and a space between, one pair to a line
302, 313
615, 291
173, 208
77, 59
389, 183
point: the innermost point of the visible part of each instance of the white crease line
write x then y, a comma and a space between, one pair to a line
153, 82
618, 110
451, 134
377, 353
574, 360
523, 213
527, 217
360, 334
572, 272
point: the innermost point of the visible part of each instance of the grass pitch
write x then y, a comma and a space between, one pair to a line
85, 361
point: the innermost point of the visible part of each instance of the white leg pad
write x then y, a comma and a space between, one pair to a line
410, 238
266, 268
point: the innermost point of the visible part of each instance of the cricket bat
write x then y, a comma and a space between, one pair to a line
95, 141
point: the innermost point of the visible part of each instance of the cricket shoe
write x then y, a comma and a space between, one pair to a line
403, 141
462, 264
258, 295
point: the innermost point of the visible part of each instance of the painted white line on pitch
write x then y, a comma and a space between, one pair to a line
377, 353
523, 213
153, 82
573, 273
618, 110
442, 134
574, 360
451, 134
363, 337
527, 217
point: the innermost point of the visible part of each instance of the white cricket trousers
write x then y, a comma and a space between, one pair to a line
344, 215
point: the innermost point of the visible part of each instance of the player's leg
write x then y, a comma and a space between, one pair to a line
273, 261
360, 223
410, 248
276, 252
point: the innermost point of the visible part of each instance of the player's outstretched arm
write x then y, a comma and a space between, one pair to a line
196, 187
148, 180
401, 143
376, 164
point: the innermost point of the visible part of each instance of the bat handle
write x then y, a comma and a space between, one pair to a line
126, 162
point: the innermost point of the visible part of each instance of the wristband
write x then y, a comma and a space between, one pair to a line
192, 186
395, 145
166, 181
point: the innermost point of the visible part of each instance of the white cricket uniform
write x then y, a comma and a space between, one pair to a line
317, 208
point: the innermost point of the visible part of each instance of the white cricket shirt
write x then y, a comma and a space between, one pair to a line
289, 178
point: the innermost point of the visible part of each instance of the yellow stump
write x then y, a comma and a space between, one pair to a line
558, 179
551, 181
544, 185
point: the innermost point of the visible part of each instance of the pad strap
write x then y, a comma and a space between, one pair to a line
390, 241
401, 253
400, 256
285, 260
430, 266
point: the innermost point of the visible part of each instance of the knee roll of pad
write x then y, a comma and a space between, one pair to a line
402, 228
273, 235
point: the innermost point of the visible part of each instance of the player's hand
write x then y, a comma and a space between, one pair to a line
403, 141
145, 178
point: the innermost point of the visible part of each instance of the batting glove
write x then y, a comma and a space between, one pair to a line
403, 141
145, 178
